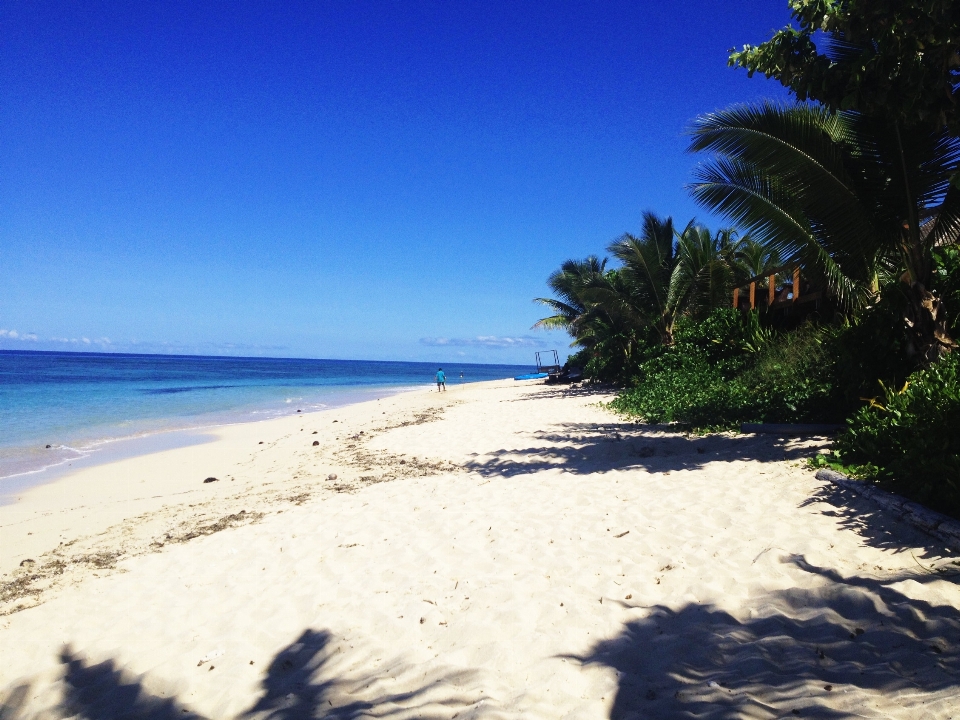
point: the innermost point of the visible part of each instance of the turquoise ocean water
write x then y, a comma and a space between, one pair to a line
83, 403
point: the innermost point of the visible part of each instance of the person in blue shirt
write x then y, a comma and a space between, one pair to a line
441, 381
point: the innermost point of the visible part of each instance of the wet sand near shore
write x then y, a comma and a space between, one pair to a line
498, 551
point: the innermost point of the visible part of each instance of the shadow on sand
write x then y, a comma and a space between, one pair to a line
565, 391
584, 448
303, 681
877, 528
801, 653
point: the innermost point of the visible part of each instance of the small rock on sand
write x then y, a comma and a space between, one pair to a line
211, 479
316, 442
332, 476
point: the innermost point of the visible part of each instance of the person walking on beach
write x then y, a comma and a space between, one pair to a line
441, 381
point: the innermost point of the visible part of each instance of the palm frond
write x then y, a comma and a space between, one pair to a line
806, 154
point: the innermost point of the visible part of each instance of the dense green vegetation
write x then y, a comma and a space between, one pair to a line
907, 438
728, 369
891, 58
857, 187
732, 367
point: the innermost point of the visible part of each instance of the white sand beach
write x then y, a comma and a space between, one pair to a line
498, 551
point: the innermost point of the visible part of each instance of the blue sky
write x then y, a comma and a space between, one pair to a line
379, 180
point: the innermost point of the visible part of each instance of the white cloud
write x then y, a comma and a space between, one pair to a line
14, 335
14, 339
103, 341
485, 341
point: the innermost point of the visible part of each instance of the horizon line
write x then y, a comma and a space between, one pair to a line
245, 357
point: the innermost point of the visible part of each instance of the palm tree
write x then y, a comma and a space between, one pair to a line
753, 258
593, 305
705, 270
663, 274
647, 264
841, 193
568, 284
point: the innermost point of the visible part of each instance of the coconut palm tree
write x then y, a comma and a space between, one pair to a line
844, 194
663, 274
568, 284
593, 306
754, 258
592, 302
647, 264
705, 271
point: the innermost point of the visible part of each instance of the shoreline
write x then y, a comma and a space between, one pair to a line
58, 407
497, 551
104, 452
112, 449
100, 494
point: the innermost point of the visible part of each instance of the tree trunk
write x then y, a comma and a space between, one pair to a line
925, 320
926, 325
666, 331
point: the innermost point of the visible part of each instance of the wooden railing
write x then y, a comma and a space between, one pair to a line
771, 277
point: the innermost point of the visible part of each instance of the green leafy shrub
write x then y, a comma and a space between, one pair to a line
909, 439
870, 350
729, 369
794, 378
680, 386
946, 283
726, 334
688, 382
579, 359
